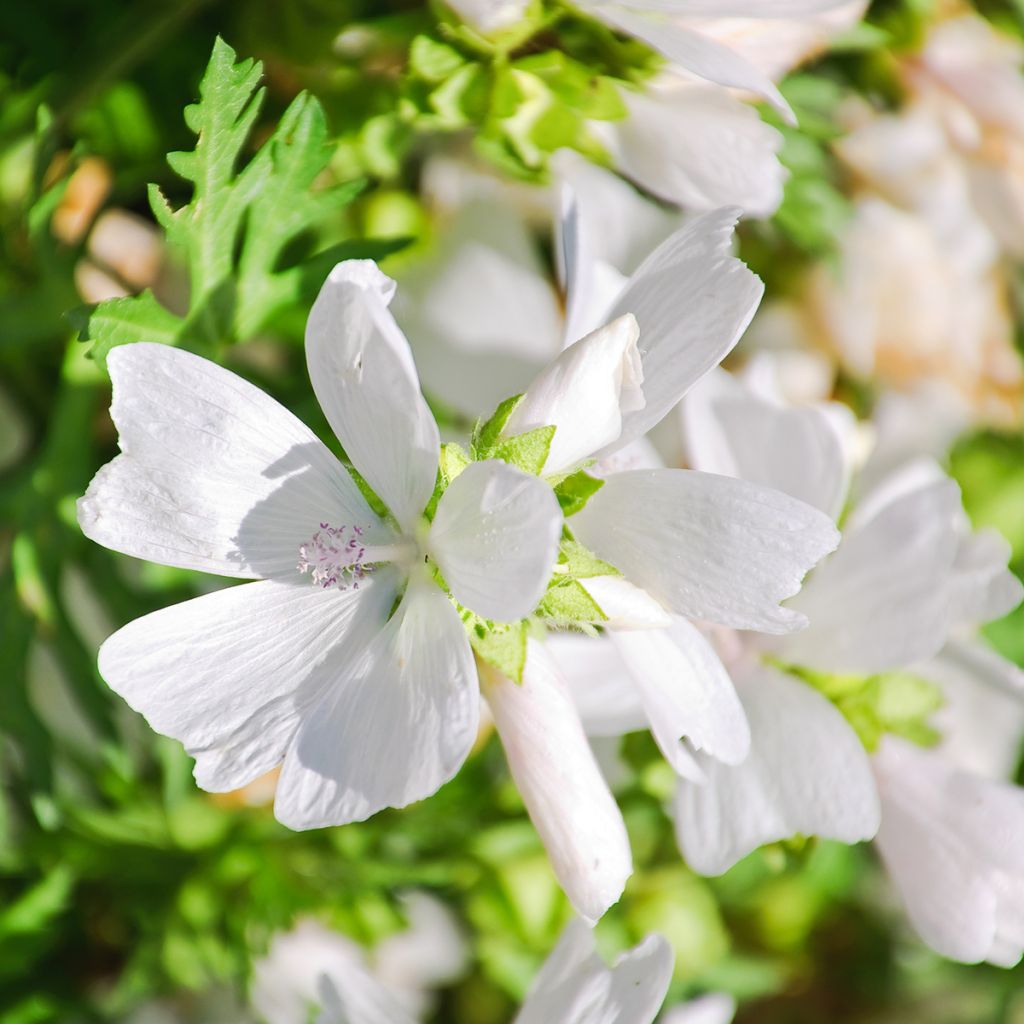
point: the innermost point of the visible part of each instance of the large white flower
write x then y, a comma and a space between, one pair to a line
346, 661
904, 590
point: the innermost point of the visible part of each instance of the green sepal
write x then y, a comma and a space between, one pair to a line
896, 703
487, 433
528, 451
579, 563
574, 491
453, 460
372, 499
432, 60
567, 604
503, 646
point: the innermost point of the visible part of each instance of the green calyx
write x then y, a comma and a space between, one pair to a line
895, 703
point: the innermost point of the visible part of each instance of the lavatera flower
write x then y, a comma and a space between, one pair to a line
347, 660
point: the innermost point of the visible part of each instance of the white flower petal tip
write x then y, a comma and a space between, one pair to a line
396, 724
954, 846
585, 393
708, 547
806, 773
565, 794
575, 986
362, 371
624, 605
692, 299
714, 1008
213, 474
495, 539
686, 692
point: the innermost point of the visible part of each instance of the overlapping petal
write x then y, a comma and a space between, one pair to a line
807, 773
396, 724
495, 539
213, 474
208, 672
365, 380
706, 546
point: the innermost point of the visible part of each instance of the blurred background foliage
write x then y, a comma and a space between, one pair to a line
122, 887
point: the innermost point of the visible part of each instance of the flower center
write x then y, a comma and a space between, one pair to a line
337, 556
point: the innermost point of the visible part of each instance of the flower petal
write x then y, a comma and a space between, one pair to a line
395, 727
495, 538
624, 605
686, 692
575, 986
602, 690
584, 393
213, 474
365, 380
232, 674
690, 49
700, 147
566, 796
706, 546
799, 451
887, 597
807, 773
714, 1008
692, 300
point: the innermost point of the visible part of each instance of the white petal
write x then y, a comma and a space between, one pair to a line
936, 856
214, 474
624, 605
395, 727
575, 986
488, 16
887, 597
365, 380
686, 692
605, 230
706, 546
988, 589
584, 393
495, 539
692, 300
602, 690
351, 995
695, 52
982, 719
232, 674
699, 147
807, 773
802, 451
567, 798
479, 306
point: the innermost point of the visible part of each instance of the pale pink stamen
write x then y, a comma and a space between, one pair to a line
335, 557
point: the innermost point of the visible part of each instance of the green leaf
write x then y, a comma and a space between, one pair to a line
502, 646
124, 320
576, 490
528, 451
568, 604
453, 460
237, 229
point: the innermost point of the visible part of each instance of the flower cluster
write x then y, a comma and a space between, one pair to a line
630, 537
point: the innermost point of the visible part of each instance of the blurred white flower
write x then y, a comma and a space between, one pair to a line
399, 975
715, 1008
311, 969
367, 709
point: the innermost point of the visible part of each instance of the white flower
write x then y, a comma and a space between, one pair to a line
312, 967
954, 845
906, 584
490, 16
714, 1008
368, 705
396, 979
